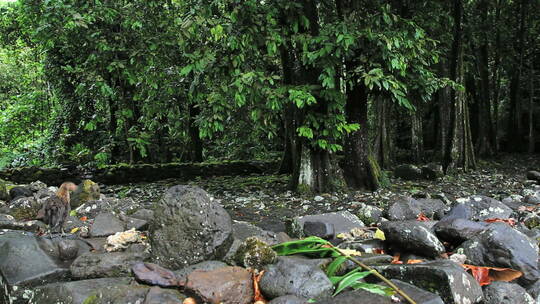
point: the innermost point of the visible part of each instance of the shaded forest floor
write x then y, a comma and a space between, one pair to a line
265, 201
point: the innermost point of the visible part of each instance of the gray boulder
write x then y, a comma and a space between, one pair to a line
189, 228
502, 246
408, 208
479, 208
414, 236
408, 172
25, 264
20, 191
295, 276
288, 300
506, 293
420, 296
75, 292
103, 265
106, 224
458, 230
342, 222
445, 278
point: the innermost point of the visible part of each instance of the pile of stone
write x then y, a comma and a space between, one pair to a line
187, 249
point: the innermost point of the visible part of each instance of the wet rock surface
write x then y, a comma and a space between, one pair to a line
189, 227
222, 285
414, 236
502, 246
295, 276
63, 268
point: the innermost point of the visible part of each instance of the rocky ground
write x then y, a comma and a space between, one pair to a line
432, 236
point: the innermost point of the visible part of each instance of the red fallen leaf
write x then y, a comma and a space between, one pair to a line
422, 217
258, 297
84, 218
378, 251
510, 222
395, 259
486, 275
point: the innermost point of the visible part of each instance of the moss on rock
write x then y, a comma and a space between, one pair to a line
254, 253
85, 192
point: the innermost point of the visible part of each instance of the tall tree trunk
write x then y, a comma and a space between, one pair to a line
515, 124
417, 136
531, 110
315, 169
496, 80
484, 143
290, 138
383, 142
444, 107
361, 170
194, 134
460, 153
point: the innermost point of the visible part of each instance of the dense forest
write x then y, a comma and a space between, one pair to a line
337, 90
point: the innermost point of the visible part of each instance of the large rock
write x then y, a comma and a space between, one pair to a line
119, 294
408, 172
228, 285
414, 236
85, 192
432, 171
75, 292
288, 300
295, 276
24, 208
458, 230
480, 208
106, 224
445, 278
158, 295
506, 293
502, 246
254, 253
24, 264
101, 265
183, 273
408, 208
20, 191
189, 228
342, 222
533, 175
9, 222
420, 296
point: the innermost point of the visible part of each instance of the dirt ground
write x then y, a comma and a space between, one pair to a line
266, 202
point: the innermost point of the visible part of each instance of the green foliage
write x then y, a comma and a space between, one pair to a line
319, 248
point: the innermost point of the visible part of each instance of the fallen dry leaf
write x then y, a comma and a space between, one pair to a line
395, 259
486, 275
350, 252
189, 301
258, 297
84, 218
422, 217
414, 261
510, 222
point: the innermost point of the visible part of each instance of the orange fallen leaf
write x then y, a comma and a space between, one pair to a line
84, 218
395, 259
258, 297
378, 251
189, 301
414, 261
485, 275
422, 217
510, 222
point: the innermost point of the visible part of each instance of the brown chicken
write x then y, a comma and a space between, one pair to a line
57, 208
